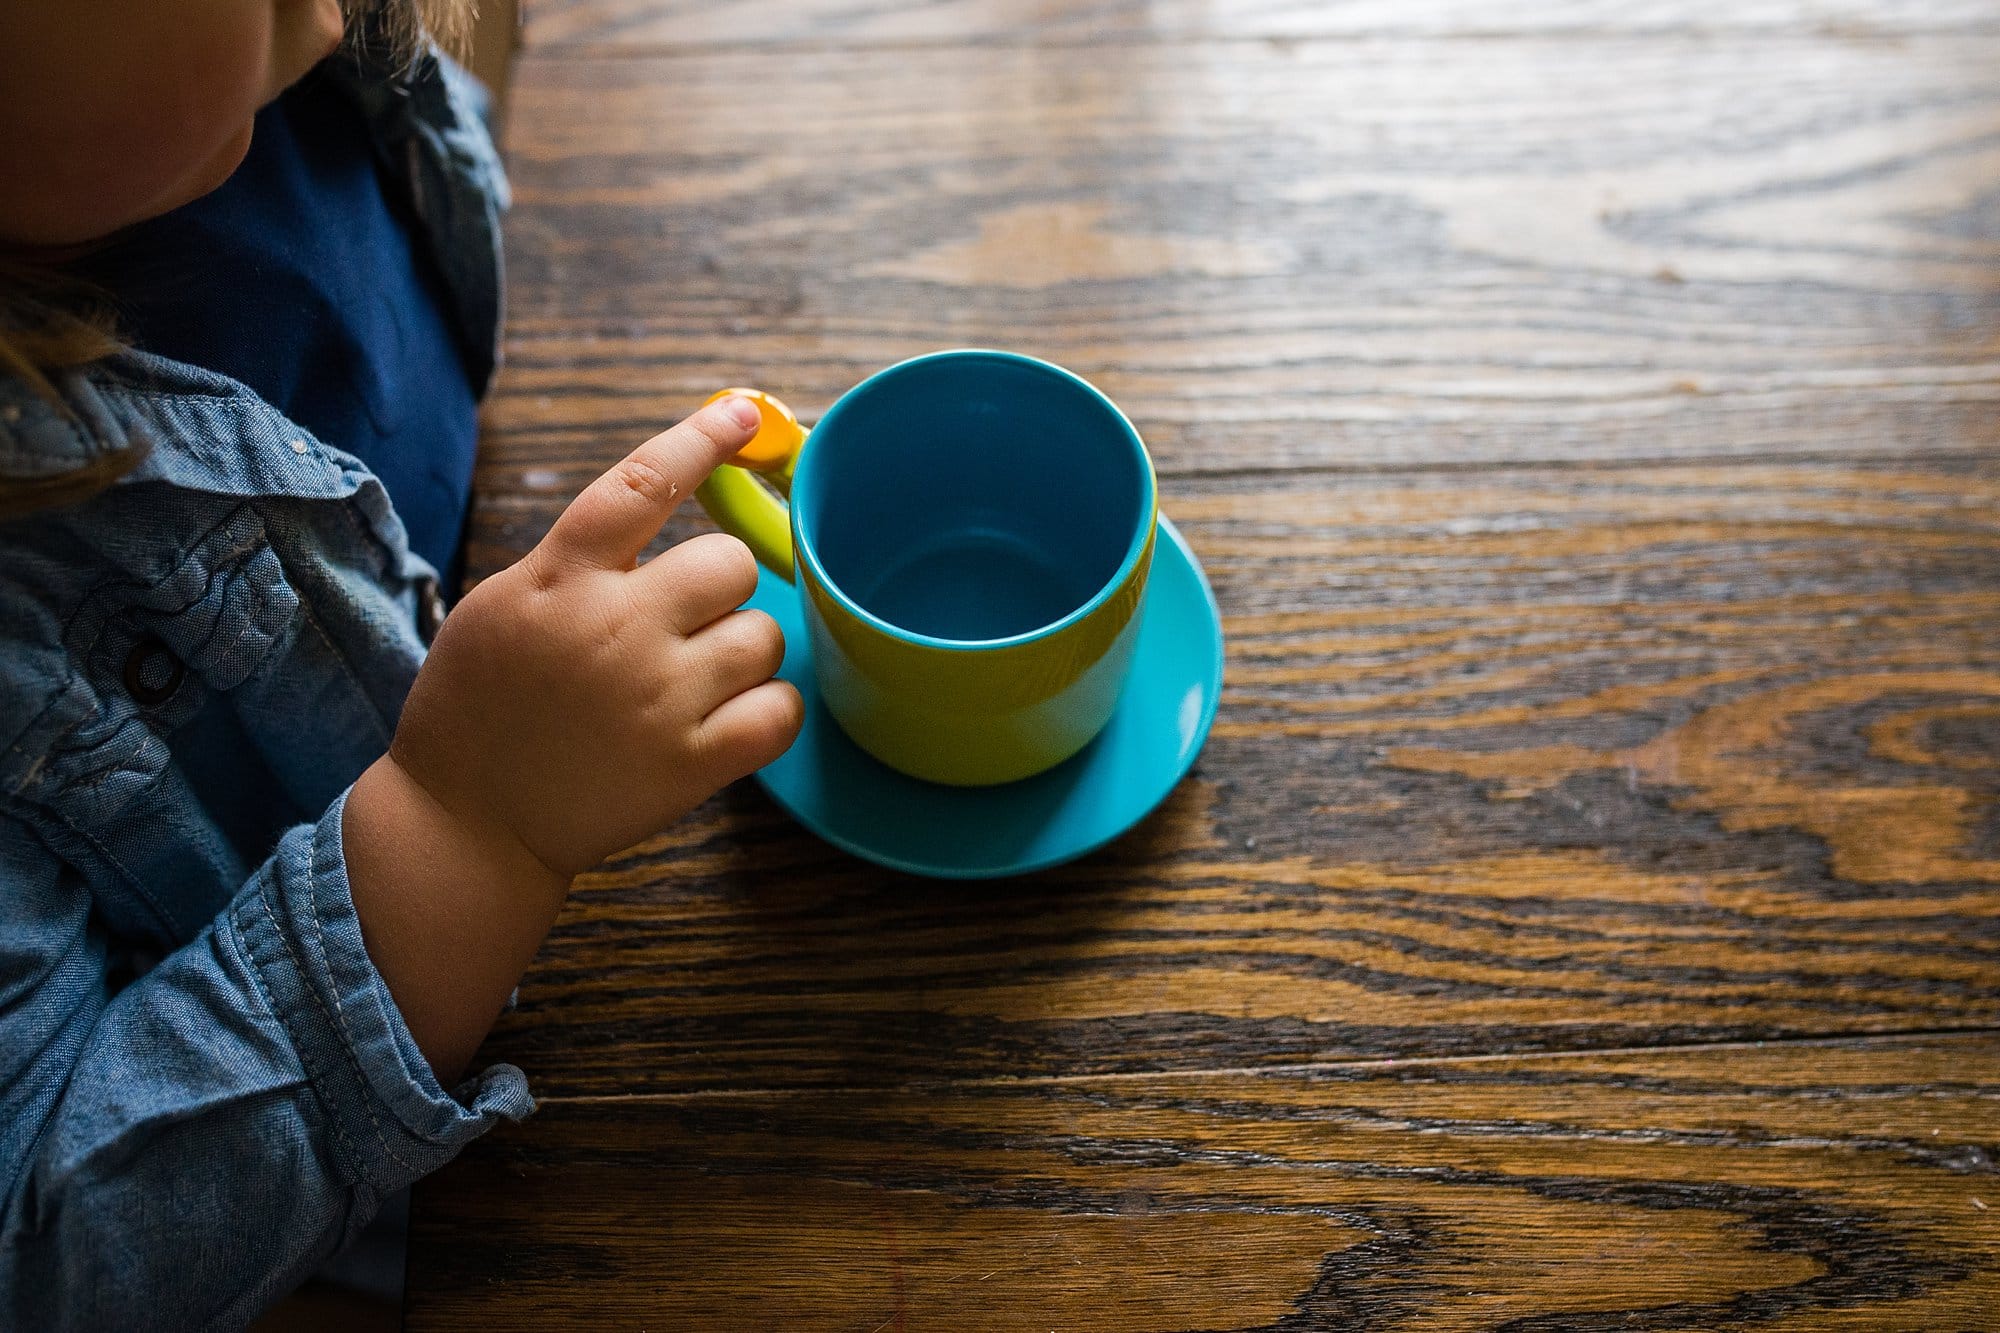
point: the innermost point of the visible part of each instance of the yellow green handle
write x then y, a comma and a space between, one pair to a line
745, 506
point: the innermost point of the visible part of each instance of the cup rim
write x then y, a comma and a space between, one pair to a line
802, 486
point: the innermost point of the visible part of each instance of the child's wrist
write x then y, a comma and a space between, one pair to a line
463, 834
451, 911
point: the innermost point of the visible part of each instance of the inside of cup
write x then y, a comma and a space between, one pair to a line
972, 497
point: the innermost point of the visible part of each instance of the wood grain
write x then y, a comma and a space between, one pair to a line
628, 24
1587, 416
1324, 254
1509, 760
1806, 1187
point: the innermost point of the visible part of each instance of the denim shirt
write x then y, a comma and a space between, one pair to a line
205, 1087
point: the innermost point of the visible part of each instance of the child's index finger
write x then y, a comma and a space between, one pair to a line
612, 519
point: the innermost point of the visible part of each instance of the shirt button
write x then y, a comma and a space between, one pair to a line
430, 610
152, 673
298, 446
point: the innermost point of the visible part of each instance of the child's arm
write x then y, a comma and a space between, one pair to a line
572, 705
176, 1153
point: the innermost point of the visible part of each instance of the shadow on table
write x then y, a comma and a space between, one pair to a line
851, 974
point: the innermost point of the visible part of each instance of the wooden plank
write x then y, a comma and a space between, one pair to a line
496, 35
1813, 1187
639, 23
1510, 760
1313, 254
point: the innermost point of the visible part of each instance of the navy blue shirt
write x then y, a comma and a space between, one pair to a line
303, 277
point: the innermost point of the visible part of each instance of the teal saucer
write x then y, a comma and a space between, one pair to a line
833, 787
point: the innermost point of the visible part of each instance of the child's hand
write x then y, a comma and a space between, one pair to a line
578, 702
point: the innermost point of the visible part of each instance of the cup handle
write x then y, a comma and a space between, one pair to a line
746, 507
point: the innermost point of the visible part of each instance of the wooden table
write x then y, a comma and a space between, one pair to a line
1584, 915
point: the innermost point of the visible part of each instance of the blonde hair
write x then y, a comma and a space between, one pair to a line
404, 25
50, 322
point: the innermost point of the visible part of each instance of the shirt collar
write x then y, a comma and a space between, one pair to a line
200, 430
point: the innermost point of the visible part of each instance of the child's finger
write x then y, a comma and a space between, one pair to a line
616, 515
699, 581
738, 652
749, 730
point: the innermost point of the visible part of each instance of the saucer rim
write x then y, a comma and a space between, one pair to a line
1210, 706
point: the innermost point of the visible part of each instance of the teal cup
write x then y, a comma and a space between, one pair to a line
970, 534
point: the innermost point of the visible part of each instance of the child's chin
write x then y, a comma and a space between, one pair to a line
210, 175
201, 178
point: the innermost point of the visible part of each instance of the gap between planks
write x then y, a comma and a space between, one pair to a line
1904, 459
1880, 38
1901, 1036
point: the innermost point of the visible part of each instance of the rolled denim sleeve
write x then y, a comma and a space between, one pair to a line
180, 1153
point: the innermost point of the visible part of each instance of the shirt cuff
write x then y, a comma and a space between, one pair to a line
391, 1120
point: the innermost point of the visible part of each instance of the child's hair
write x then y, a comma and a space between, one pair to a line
404, 24
50, 322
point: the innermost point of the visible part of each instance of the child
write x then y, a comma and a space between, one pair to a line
264, 882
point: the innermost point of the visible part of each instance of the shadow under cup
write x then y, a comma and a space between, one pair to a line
973, 533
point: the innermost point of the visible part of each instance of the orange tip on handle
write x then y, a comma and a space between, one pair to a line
777, 440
